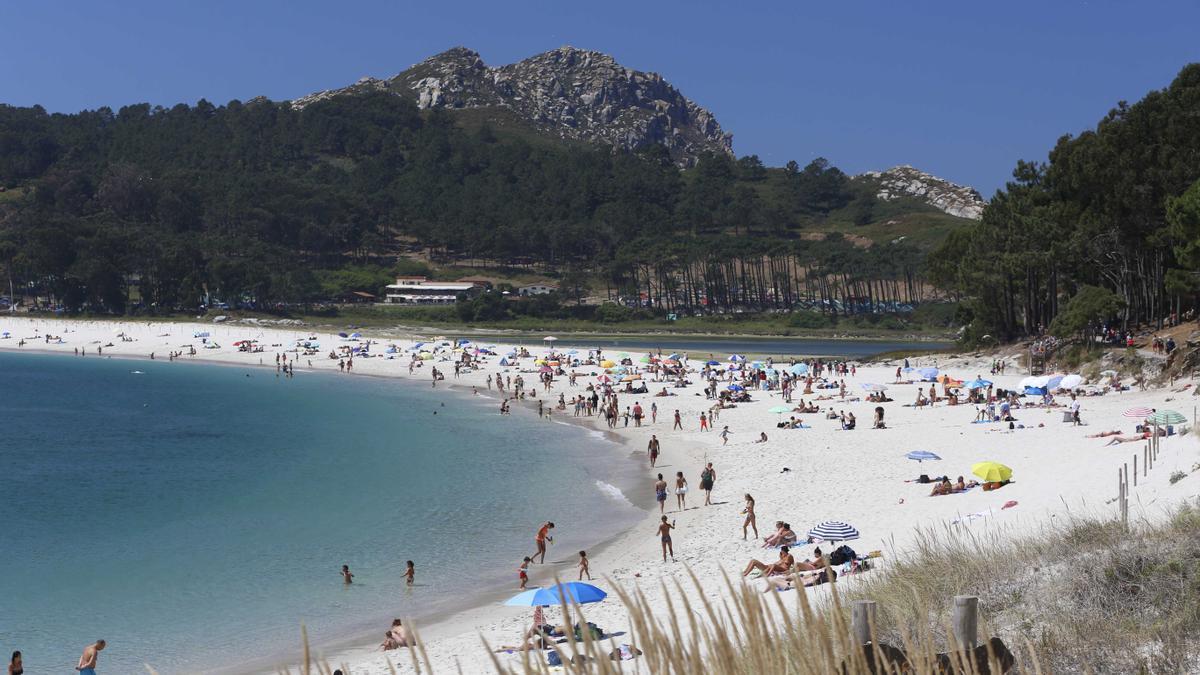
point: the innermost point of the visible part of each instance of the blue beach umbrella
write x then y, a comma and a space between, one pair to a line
922, 455
977, 384
674, 356
560, 594
736, 357
713, 363
800, 369
928, 373
736, 387
833, 530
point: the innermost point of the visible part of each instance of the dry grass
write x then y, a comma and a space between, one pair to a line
1087, 596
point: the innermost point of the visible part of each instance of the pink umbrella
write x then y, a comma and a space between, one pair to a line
1138, 413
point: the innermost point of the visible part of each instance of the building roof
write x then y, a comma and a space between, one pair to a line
430, 286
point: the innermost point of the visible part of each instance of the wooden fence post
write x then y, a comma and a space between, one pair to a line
1135, 470
862, 619
965, 621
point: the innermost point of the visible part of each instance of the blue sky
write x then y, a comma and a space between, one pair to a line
960, 89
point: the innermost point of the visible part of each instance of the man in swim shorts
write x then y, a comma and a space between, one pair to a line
653, 448
87, 662
660, 493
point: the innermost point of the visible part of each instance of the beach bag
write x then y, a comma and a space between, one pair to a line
553, 659
923, 479
842, 555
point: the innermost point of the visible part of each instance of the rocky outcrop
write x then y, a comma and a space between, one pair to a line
572, 93
906, 181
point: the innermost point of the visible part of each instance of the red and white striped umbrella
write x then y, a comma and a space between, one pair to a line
1138, 413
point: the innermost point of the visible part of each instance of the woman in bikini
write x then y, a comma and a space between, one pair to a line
664, 535
750, 521
681, 488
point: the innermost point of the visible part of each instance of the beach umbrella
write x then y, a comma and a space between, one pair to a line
928, 373
1166, 417
572, 351
607, 364
1138, 413
736, 387
1071, 381
674, 356
922, 455
549, 338
992, 472
833, 530
907, 369
644, 359
800, 369
977, 384
631, 378
1108, 373
780, 409
559, 594
546, 369
200, 334
736, 357
713, 363
356, 335
1054, 381
604, 379
868, 386
342, 335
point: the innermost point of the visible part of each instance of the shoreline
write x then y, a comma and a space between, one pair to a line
484, 607
857, 476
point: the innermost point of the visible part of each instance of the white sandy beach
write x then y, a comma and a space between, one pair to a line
857, 476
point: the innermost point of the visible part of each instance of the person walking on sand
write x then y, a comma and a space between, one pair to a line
707, 477
725, 435
346, 575
703, 422
584, 566
653, 412
750, 522
678, 422
664, 535
653, 448
543, 536
410, 572
681, 488
660, 493
87, 662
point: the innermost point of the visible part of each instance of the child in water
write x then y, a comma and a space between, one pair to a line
409, 573
346, 575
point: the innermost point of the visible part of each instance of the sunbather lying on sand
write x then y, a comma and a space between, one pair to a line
1117, 440
1104, 434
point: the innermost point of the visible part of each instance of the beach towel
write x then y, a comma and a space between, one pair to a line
971, 516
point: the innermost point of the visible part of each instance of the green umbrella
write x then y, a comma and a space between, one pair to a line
1166, 417
780, 409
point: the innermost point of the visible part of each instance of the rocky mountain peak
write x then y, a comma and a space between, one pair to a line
572, 93
906, 181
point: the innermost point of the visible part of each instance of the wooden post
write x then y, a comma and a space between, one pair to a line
965, 621
862, 619
1135, 470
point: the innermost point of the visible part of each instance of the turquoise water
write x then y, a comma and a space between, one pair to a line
194, 516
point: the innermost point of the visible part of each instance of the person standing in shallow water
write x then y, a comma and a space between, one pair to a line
347, 577
87, 662
16, 666
543, 536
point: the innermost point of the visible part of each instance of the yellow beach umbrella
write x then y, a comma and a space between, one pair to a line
992, 472
607, 364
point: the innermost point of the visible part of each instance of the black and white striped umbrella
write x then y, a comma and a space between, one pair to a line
833, 530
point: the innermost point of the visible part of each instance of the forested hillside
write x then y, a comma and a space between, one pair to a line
1114, 211
149, 209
